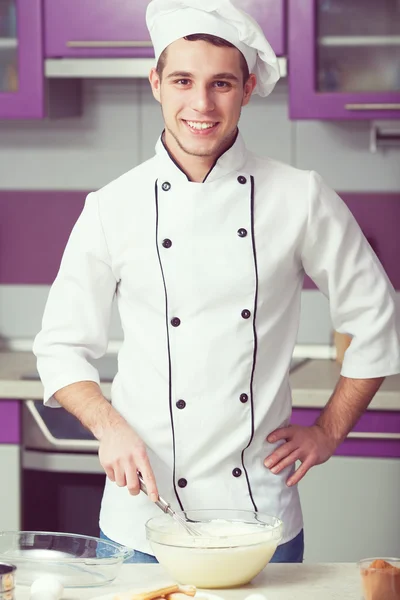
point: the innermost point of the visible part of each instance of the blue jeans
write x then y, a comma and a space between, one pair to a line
138, 557
291, 552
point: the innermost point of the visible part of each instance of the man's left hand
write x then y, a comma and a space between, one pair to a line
310, 445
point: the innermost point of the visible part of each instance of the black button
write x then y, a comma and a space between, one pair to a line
246, 314
167, 243
244, 398
242, 232
175, 322
242, 180
181, 404
166, 186
236, 472
182, 483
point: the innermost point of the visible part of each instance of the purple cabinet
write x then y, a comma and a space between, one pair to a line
21, 59
344, 59
9, 422
24, 91
377, 434
106, 28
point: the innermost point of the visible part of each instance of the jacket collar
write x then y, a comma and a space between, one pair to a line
231, 161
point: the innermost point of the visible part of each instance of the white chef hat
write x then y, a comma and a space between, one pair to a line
170, 20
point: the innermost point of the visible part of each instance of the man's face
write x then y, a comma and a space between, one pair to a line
201, 94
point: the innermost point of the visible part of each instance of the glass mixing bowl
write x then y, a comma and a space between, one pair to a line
234, 547
75, 560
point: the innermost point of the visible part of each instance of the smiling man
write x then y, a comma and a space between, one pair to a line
205, 248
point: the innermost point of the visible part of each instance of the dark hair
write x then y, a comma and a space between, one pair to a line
211, 39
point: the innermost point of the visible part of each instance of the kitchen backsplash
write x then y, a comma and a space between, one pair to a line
47, 167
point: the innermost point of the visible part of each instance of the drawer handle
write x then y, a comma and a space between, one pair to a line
109, 44
393, 106
361, 435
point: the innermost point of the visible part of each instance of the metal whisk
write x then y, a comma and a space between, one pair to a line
166, 508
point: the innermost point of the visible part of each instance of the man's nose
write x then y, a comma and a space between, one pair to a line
202, 100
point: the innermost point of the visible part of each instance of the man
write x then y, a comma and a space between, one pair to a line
205, 247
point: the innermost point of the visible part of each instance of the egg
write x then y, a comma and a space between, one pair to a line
47, 587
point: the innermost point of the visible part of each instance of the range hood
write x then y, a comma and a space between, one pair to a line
109, 68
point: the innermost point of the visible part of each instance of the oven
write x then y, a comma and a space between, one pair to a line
62, 480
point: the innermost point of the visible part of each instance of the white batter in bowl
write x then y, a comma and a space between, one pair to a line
234, 547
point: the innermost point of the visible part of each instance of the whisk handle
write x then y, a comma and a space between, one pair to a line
161, 503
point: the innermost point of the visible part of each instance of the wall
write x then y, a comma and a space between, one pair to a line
119, 128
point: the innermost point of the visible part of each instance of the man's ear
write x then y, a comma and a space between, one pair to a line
249, 89
155, 82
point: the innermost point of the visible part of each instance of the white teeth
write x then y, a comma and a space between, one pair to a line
199, 126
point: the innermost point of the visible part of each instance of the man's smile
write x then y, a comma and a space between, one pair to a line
201, 127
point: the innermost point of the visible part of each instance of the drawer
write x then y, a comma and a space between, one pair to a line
9, 422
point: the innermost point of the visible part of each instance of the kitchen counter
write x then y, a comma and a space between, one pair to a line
312, 383
339, 581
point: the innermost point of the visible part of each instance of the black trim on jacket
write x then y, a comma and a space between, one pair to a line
168, 350
255, 341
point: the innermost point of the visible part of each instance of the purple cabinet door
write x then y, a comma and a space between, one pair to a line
344, 59
102, 28
9, 422
376, 435
106, 28
21, 60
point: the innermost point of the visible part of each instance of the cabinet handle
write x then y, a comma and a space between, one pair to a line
109, 44
361, 435
394, 106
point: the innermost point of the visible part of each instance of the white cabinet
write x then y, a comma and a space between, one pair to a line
351, 509
9, 487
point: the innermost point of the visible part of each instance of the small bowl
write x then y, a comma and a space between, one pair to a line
215, 561
7, 578
75, 560
379, 583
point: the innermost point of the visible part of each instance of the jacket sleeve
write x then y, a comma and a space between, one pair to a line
78, 310
362, 300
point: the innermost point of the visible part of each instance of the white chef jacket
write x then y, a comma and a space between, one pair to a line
208, 279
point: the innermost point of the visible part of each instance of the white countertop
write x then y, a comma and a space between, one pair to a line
312, 383
277, 582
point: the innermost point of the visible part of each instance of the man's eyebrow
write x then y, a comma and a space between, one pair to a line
187, 75
229, 76
180, 74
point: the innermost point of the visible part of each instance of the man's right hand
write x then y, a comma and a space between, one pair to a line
122, 454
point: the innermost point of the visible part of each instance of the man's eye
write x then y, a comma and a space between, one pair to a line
182, 81
222, 84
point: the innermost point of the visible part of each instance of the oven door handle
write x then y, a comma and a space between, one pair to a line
55, 442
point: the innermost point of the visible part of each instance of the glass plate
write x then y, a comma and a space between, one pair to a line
76, 560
